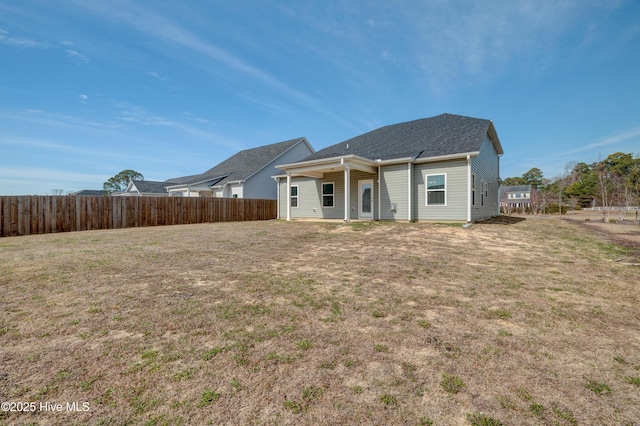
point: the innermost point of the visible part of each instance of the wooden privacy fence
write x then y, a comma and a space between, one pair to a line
25, 215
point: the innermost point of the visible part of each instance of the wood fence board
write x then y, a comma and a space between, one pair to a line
24, 215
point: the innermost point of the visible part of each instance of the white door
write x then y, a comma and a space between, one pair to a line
365, 199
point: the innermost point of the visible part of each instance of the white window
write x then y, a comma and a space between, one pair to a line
473, 190
294, 195
436, 189
327, 194
482, 186
486, 190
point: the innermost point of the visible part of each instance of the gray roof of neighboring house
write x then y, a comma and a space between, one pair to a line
516, 188
241, 165
89, 192
151, 187
445, 134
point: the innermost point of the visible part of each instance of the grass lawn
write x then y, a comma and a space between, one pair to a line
516, 322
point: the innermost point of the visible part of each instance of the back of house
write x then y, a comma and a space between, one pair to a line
443, 168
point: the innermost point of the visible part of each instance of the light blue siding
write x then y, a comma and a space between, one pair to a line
261, 184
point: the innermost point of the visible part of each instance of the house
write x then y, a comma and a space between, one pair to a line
246, 174
516, 198
443, 168
89, 193
144, 188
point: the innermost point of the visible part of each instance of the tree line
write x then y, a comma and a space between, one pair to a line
610, 183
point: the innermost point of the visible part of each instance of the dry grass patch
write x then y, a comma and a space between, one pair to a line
320, 323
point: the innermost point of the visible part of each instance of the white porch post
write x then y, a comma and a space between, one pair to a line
347, 198
379, 202
288, 197
277, 179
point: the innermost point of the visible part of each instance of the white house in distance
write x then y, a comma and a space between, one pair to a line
247, 174
517, 198
444, 168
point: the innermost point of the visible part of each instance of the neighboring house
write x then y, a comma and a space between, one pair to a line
440, 168
90, 192
247, 174
516, 198
144, 188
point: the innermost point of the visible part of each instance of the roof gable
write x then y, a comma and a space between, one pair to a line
148, 186
442, 135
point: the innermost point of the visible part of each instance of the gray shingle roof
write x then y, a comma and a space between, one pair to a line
89, 192
444, 134
516, 188
241, 165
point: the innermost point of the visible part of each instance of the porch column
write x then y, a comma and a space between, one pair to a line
347, 198
288, 197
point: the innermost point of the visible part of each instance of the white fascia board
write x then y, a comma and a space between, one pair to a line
461, 156
394, 161
493, 135
324, 162
316, 168
192, 185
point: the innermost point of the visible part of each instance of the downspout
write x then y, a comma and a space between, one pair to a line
410, 169
498, 183
277, 179
379, 185
468, 188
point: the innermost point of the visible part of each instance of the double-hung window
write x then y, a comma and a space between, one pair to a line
473, 190
436, 189
294, 195
327, 194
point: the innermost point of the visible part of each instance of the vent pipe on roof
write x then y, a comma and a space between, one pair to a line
347, 147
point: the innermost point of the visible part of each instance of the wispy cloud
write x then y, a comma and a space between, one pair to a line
153, 24
461, 39
57, 120
5, 38
608, 141
35, 174
57, 147
131, 114
156, 75
76, 56
83, 98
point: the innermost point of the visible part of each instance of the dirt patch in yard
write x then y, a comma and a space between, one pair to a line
518, 320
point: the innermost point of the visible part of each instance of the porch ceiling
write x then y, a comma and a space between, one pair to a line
337, 164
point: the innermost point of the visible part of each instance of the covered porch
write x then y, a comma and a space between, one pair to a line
340, 187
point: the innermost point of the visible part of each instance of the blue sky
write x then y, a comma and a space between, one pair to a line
171, 88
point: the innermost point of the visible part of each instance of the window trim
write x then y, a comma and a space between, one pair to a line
332, 195
427, 190
297, 196
473, 189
